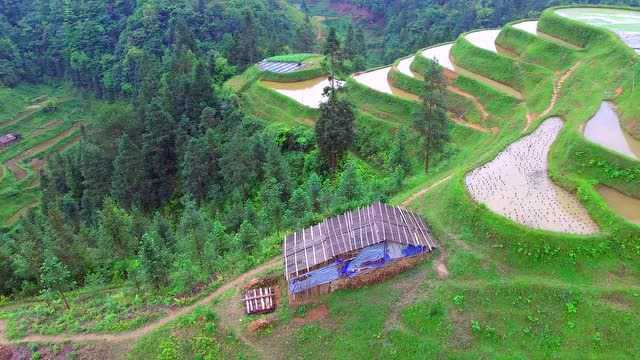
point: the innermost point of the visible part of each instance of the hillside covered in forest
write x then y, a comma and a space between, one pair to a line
156, 156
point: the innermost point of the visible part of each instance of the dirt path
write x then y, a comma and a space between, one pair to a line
460, 121
135, 334
474, 100
420, 193
557, 88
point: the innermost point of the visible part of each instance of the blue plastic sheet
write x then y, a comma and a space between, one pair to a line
371, 257
314, 278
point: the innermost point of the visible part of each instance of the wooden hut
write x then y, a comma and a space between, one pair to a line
8, 139
357, 247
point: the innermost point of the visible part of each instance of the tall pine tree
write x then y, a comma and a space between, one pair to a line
432, 122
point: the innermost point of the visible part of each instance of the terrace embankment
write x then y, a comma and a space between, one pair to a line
516, 184
532, 28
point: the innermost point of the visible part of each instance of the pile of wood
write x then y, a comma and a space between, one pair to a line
259, 300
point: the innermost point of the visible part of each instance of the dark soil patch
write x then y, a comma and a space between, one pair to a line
316, 314
462, 337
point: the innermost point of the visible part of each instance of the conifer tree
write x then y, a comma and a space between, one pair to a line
350, 185
333, 52
127, 174
154, 260
432, 122
335, 129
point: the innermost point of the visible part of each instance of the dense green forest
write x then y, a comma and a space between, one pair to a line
396, 28
178, 184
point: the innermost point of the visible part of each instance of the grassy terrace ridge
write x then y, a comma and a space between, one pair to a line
535, 49
533, 81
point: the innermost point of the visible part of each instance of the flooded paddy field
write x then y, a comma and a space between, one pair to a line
308, 93
484, 39
626, 206
516, 185
439, 54
379, 80
625, 23
404, 66
604, 129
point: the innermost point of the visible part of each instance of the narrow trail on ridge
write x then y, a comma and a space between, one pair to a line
474, 100
425, 190
135, 334
557, 89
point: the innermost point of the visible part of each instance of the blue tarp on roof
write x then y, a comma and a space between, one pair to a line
372, 257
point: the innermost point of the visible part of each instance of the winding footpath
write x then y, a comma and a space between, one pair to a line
135, 334
557, 88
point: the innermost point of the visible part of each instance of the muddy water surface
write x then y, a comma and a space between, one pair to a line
404, 66
604, 129
516, 185
627, 206
441, 54
485, 39
378, 80
308, 93
626, 23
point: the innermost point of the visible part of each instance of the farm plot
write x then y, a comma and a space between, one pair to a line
379, 80
625, 23
516, 185
309, 93
484, 39
439, 54
604, 129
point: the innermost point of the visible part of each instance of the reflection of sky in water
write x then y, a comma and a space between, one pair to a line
485, 39
604, 129
309, 93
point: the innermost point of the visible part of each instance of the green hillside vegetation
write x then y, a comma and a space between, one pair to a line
166, 199
49, 119
512, 291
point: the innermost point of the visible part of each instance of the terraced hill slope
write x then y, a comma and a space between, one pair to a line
48, 120
505, 283
511, 290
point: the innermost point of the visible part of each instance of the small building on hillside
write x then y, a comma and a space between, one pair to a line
8, 139
361, 246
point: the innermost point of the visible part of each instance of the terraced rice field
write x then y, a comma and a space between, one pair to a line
379, 80
309, 93
48, 118
604, 129
531, 26
626, 206
516, 185
439, 54
484, 39
625, 23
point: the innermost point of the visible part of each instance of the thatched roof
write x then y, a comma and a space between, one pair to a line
351, 231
